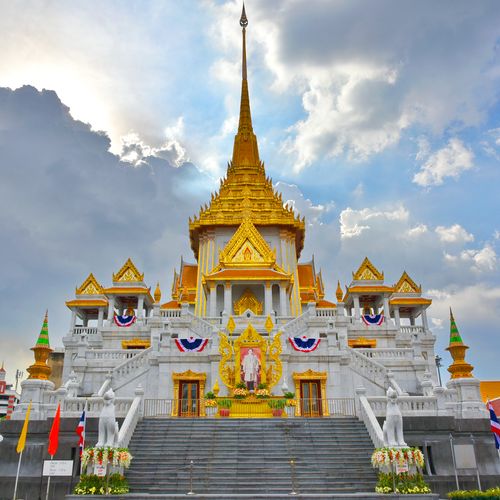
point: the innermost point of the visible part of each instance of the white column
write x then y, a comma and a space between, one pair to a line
228, 306
425, 324
268, 298
397, 318
357, 313
111, 310
283, 300
387, 311
213, 300
140, 306
100, 316
73, 320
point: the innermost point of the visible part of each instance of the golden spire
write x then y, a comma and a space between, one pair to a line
40, 370
245, 151
339, 293
459, 368
157, 295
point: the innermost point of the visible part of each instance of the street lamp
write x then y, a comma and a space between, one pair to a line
438, 360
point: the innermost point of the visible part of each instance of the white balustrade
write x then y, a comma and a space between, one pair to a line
170, 313
412, 329
85, 330
112, 354
369, 418
130, 422
296, 326
326, 312
368, 368
75, 406
199, 325
409, 405
386, 353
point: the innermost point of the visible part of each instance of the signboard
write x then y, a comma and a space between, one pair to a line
464, 456
58, 467
400, 468
99, 470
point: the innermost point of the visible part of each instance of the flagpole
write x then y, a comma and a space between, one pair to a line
17, 475
48, 481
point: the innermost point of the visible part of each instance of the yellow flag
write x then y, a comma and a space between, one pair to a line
24, 432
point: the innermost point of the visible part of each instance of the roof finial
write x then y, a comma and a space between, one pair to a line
245, 151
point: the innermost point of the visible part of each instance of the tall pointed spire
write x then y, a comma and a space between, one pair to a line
40, 370
245, 151
459, 368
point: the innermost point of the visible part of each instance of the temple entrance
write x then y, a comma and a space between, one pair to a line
189, 396
310, 398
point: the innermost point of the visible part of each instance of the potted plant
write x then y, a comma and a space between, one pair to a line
240, 391
290, 404
210, 404
277, 406
262, 392
224, 407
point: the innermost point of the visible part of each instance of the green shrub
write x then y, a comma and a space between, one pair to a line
210, 395
406, 483
277, 404
95, 485
225, 403
492, 494
289, 395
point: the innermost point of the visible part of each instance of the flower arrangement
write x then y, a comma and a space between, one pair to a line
118, 457
239, 393
115, 484
405, 483
262, 393
290, 399
400, 456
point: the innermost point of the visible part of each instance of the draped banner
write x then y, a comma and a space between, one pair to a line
191, 344
373, 319
124, 320
304, 343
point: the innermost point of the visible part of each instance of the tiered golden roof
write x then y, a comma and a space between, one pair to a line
246, 192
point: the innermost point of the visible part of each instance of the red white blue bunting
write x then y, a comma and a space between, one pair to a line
124, 321
304, 343
191, 344
373, 319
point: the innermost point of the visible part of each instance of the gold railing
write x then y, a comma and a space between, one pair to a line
250, 407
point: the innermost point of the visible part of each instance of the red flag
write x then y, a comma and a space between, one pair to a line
54, 432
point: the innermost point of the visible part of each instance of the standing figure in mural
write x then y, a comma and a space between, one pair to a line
251, 368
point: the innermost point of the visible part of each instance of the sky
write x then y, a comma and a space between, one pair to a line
378, 121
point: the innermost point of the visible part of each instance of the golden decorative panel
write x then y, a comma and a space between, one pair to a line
406, 285
136, 344
368, 272
267, 352
248, 301
362, 343
90, 287
128, 273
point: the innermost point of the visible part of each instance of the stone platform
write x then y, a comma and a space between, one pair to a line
302, 496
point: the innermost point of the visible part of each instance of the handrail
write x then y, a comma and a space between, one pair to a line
370, 421
129, 424
199, 325
84, 330
296, 324
409, 405
387, 353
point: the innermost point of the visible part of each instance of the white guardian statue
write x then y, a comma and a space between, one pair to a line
108, 426
393, 425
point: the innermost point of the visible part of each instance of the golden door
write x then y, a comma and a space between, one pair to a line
310, 398
189, 396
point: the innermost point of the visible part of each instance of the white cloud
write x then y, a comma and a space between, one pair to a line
479, 260
417, 231
354, 222
453, 234
449, 161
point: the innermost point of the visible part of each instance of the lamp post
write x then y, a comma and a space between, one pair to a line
19, 374
438, 360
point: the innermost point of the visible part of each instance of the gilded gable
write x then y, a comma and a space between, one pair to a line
90, 287
406, 285
368, 272
128, 274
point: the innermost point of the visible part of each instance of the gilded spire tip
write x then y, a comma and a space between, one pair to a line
243, 18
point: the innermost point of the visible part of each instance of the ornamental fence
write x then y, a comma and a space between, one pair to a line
249, 408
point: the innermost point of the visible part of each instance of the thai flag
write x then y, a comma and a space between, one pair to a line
304, 343
80, 430
495, 425
191, 344
373, 319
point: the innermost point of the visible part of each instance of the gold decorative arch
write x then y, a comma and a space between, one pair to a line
248, 300
229, 366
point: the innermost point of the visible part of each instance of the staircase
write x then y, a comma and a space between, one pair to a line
251, 456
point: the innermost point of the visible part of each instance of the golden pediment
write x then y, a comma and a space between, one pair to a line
128, 274
90, 287
368, 272
406, 285
248, 301
247, 247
